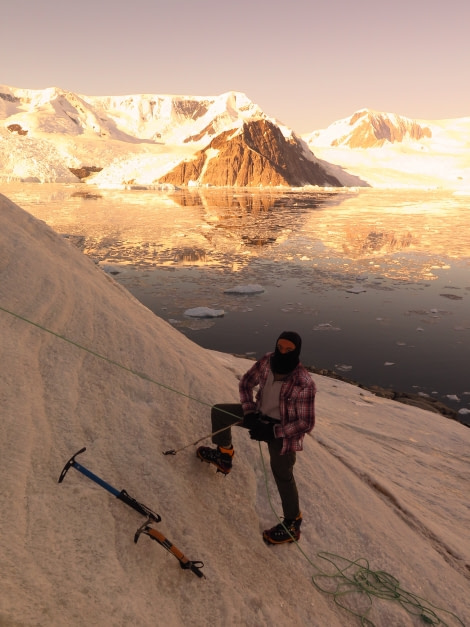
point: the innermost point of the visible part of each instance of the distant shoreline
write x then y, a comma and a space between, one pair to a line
415, 400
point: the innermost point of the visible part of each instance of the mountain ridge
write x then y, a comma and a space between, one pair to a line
149, 139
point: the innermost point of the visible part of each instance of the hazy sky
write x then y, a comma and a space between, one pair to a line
306, 63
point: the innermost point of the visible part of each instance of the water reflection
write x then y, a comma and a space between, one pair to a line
388, 272
361, 241
203, 225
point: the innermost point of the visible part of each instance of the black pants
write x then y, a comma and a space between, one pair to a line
282, 466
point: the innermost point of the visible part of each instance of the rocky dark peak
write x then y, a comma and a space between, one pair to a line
258, 155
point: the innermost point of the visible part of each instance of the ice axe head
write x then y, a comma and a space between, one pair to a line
70, 463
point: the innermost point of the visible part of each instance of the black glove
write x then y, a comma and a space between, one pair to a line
251, 419
262, 431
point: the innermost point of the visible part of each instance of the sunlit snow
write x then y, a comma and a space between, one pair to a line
383, 486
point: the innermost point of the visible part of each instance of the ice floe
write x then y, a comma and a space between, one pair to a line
326, 326
357, 289
204, 312
245, 289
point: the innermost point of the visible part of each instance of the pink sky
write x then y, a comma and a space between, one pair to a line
307, 64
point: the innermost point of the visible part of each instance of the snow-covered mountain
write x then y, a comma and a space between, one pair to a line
369, 129
388, 150
55, 135
114, 141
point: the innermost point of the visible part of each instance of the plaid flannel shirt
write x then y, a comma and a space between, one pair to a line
296, 401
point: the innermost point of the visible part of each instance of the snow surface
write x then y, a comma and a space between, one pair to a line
85, 364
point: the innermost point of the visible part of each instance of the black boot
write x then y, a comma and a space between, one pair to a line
220, 457
287, 531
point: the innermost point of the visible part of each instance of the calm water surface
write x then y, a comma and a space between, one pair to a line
376, 282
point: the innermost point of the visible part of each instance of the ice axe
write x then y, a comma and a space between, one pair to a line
122, 495
185, 563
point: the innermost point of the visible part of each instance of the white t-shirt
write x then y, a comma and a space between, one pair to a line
270, 398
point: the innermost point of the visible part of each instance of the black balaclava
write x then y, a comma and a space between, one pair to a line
285, 363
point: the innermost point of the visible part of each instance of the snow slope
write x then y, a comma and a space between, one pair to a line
85, 364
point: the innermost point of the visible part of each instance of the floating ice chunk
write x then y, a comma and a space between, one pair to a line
420, 329
343, 367
204, 312
245, 289
325, 326
453, 397
110, 268
389, 363
452, 296
357, 289
464, 411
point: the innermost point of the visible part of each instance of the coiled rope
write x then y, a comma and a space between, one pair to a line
348, 577
358, 583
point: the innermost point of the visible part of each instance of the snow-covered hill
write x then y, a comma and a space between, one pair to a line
142, 139
388, 150
383, 486
137, 140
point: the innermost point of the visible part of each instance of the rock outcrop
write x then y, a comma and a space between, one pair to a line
257, 155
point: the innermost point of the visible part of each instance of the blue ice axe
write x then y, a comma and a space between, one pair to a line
121, 495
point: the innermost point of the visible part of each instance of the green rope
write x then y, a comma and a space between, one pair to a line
141, 375
353, 577
356, 579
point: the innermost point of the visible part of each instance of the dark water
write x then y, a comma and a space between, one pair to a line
376, 282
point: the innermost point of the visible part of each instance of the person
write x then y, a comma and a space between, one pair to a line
281, 413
